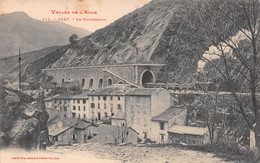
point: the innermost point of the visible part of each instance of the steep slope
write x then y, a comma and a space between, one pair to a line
18, 29
146, 35
163, 31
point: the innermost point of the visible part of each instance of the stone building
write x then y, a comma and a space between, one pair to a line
99, 104
175, 115
188, 135
99, 76
141, 105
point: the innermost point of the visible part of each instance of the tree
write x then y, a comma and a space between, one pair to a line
236, 48
73, 38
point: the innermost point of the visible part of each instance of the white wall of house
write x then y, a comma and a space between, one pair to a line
160, 101
94, 105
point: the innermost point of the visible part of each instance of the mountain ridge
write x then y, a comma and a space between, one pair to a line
19, 29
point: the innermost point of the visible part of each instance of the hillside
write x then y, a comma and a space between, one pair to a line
18, 29
163, 31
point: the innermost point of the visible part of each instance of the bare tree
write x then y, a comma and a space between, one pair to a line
238, 59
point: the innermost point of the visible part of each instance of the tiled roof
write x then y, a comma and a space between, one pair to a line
63, 97
83, 124
62, 124
109, 91
189, 130
169, 113
143, 91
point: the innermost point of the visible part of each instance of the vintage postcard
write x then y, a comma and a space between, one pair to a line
168, 81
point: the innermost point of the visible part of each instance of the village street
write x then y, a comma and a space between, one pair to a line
129, 153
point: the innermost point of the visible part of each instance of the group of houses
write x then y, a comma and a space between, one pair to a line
120, 98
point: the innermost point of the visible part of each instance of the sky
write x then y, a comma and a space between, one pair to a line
106, 11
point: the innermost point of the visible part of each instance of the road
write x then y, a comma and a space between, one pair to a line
130, 153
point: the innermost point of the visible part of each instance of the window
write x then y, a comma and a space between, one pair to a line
92, 98
118, 98
119, 106
74, 137
78, 101
122, 124
55, 101
98, 105
98, 97
55, 138
82, 82
62, 81
111, 108
84, 115
111, 98
79, 115
100, 83
60, 101
99, 116
92, 105
74, 107
109, 82
65, 108
74, 101
84, 101
84, 108
105, 106
73, 115
104, 98
161, 125
106, 114
145, 135
91, 81
79, 108
162, 138
112, 114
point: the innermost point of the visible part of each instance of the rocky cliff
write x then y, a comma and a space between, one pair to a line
22, 120
163, 31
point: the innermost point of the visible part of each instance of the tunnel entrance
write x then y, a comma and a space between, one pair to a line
147, 79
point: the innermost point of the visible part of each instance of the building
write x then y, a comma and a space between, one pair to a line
99, 104
99, 76
112, 134
141, 106
63, 130
175, 115
188, 135
47, 87
62, 103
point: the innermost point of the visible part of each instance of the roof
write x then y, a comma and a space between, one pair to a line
63, 97
62, 124
83, 124
110, 91
189, 130
47, 85
143, 91
169, 113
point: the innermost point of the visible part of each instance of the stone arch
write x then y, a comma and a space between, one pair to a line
120, 82
147, 76
100, 83
91, 82
109, 81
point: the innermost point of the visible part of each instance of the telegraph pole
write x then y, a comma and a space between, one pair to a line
19, 60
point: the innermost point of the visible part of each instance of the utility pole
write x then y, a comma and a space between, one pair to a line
19, 60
